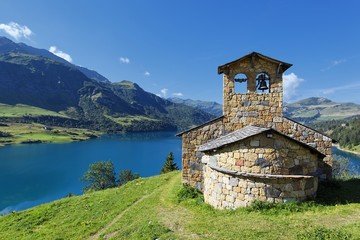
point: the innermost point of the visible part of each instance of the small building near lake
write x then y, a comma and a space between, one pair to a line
253, 152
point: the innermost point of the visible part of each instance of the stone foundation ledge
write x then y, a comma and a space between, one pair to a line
259, 175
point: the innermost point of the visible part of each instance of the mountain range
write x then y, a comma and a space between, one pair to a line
83, 98
313, 109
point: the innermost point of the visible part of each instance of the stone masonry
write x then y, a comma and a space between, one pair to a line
250, 108
263, 167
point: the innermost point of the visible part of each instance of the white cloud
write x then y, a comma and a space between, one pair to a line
291, 83
16, 31
163, 93
333, 64
178, 94
147, 74
344, 87
59, 53
124, 60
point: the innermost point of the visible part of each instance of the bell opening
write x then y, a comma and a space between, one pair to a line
240, 83
262, 83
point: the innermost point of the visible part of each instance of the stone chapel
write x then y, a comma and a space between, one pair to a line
253, 152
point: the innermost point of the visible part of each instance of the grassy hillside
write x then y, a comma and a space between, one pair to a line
20, 110
148, 209
14, 133
316, 109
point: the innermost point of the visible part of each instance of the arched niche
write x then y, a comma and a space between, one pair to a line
240, 83
262, 83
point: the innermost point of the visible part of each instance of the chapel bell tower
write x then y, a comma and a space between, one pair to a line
253, 91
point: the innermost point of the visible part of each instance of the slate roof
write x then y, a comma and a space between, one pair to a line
244, 133
284, 65
235, 136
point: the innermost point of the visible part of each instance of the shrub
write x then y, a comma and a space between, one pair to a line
187, 192
126, 176
5, 134
343, 168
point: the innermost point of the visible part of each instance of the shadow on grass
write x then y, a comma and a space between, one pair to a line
339, 192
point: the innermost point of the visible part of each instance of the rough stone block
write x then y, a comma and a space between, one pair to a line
213, 176
263, 163
224, 204
236, 189
213, 160
247, 103
206, 128
251, 185
195, 166
199, 154
265, 103
234, 182
239, 162
272, 192
277, 119
218, 188
199, 186
230, 199
250, 114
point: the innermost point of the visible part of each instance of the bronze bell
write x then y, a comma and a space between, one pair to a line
263, 86
262, 83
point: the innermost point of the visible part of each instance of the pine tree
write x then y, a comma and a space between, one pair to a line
169, 164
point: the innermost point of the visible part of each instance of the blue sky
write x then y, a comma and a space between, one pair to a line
173, 48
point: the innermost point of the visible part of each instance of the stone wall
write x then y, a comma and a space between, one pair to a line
224, 191
311, 137
260, 168
192, 168
274, 155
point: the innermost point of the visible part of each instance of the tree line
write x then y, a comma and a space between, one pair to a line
346, 131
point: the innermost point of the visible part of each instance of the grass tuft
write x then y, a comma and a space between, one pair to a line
323, 233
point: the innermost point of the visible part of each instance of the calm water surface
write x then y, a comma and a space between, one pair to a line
37, 173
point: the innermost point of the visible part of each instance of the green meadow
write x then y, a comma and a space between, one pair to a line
20, 110
15, 133
149, 208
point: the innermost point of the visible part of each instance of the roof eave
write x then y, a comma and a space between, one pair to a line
284, 67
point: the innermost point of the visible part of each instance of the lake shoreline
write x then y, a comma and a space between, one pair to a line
33, 133
345, 150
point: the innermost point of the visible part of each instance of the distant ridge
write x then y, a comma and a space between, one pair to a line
307, 110
8, 46
214, 108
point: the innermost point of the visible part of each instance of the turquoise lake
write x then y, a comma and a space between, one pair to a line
32, 174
